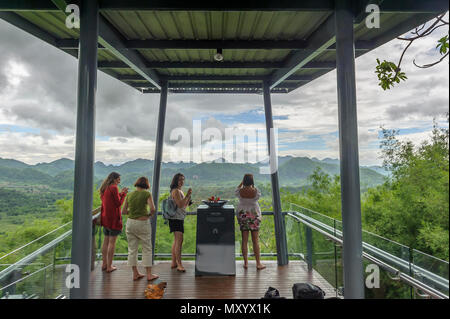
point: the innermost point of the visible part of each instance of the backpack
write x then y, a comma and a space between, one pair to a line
307, 291
169, 208
272, 293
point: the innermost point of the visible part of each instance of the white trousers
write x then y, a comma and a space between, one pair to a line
139, 232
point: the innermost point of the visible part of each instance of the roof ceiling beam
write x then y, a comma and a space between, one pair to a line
212, 85
27, 5
213, 78
21, 23
318, 42
393, 6
218, 91
214, 65
190, 65
180, 5
213, 44
414, 6
399, 30
405, 6
112, 40
32, 29
229, 5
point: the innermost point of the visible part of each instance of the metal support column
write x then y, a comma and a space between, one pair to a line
349, 158
85, 145
158, 157
309, 248
280, 228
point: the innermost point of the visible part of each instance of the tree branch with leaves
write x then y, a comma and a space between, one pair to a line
390, 73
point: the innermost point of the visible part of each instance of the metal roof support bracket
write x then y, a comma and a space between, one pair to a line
112, 40
318, 42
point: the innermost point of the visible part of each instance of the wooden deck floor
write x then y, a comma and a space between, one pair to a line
247, 284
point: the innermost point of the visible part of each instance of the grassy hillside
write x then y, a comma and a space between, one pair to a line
293, 171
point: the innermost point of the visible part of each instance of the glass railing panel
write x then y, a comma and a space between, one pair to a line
40, 273
400, 254
267, 241
294, 238
431, 271
324, 259
43, 277
29, 278
22, 251
387, 286
164, 239
326, 220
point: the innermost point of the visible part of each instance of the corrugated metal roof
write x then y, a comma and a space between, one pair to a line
165, 25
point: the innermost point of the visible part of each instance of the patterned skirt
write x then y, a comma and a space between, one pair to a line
248, 220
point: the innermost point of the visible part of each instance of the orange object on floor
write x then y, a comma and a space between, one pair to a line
155, 291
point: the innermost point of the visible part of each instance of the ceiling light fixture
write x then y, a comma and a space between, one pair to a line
218, 56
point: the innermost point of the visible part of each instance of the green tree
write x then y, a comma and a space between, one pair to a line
412, 207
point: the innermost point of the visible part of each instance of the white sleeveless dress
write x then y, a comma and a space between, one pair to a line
248, 212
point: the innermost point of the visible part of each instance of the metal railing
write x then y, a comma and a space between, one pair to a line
38, 273
432, 284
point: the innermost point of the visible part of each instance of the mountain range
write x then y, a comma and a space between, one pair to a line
293, 171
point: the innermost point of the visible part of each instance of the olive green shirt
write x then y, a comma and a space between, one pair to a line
137, 204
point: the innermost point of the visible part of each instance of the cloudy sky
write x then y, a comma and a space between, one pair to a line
38, 85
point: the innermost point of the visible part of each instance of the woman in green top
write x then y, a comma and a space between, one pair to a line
138, 228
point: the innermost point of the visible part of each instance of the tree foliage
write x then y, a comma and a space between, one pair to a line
390, 73
412, 207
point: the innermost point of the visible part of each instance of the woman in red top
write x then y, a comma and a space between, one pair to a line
111, 218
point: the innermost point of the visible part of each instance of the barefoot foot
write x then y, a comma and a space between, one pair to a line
138, 276
152, 277
111, 269
181, 269
260, 267
245, 266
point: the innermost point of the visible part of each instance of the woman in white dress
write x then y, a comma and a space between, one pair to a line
249, 217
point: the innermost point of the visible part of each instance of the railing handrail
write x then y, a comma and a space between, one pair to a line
365, 231
442, 282
399, 262
376, 235
27, 276
406, 278
431, 256
306, 220
29, 258
33, 241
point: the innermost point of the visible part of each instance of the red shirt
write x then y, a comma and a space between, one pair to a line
112, 200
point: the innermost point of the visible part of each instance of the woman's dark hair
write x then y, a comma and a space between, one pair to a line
175, 180
142, 182
248, 180
109, 181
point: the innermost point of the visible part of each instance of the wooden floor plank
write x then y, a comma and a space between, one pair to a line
247, 284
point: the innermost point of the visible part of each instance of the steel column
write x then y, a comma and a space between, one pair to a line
349, 158
280, 228
309, 248
158, 157
85, 145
